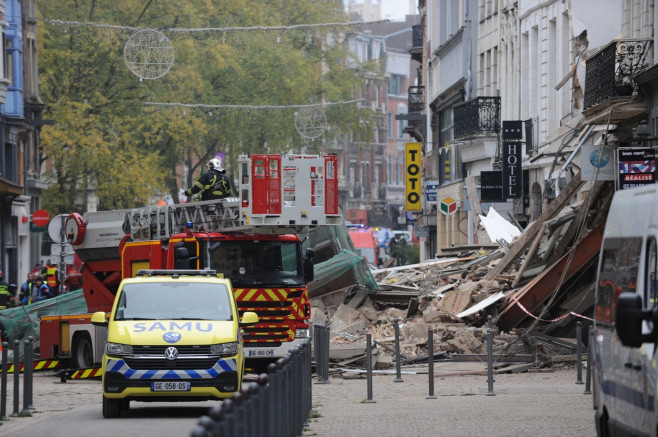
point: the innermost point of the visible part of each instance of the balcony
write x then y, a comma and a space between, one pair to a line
477, 116
416, 50
416, 99
609, 73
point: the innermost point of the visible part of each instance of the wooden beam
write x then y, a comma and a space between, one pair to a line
529, 234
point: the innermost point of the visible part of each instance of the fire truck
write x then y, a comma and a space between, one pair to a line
253, 240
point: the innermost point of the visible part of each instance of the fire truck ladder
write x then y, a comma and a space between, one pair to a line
151, 223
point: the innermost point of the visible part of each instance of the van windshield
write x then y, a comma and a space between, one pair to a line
177, 300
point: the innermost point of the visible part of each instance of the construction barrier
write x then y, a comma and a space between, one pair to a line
37, 365
87, 373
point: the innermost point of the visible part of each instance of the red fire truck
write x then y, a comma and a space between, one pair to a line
254, 240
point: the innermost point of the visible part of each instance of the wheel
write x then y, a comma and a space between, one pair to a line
111, 408
601, 421
124, 405
82, 353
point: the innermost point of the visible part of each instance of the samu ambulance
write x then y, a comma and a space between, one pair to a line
172, 335
625, 367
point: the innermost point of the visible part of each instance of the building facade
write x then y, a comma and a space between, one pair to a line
20, 124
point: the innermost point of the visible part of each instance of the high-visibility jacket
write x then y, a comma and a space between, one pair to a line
51, 277
4, 295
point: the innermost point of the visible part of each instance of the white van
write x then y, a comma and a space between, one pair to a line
626, 319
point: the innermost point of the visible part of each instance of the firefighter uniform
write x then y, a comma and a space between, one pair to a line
52, 281
4, 293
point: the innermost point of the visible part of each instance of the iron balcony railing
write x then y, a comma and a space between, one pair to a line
480, 115
416, 99
609, 73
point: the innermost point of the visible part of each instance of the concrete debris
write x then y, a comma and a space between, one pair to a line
458, 295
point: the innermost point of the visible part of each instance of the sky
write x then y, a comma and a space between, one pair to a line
395, 10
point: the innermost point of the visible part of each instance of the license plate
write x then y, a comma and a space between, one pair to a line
261, 352
170, 386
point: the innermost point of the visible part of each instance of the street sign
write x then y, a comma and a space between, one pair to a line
40, 217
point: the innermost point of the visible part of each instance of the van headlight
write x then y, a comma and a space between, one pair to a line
224, 349
118, 349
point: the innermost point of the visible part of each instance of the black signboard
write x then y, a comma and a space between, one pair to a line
491, 186
512, 177
512, 130
637, 167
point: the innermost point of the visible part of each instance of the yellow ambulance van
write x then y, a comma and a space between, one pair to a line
172, 335
625, 366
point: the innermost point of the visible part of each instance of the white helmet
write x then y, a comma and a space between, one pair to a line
215, 164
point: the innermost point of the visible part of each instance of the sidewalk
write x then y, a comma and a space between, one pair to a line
545, 403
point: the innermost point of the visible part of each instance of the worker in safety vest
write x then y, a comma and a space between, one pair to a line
4, 292
214, 184
51, 277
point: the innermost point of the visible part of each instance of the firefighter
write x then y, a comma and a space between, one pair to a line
213, 184
51, 276
4, 292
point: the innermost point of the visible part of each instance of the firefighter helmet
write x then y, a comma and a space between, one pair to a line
215, 164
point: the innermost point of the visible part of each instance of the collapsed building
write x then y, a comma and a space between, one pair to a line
534, 289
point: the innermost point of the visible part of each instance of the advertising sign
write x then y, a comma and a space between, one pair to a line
637, 167
430, 191
412, 177
596, 162
491, 186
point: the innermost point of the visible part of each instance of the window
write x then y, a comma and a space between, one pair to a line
402, 109
619, 269
395, 84
445, 137
391, 132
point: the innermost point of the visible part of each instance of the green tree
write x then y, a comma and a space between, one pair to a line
106, 138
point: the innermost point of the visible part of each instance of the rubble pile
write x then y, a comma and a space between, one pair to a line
532, 290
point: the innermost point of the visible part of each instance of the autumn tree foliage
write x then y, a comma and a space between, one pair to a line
108, 138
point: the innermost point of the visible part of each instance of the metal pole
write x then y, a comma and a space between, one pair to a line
398, 371
3, 382
316, 349
29, 374
26, 384
326, 333
17, 377
430, 362
590, 361
490, 381
579, 354
369, 367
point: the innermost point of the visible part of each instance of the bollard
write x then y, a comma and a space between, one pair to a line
325, 344
205, 427
26, 384
308, 394
29, 373
229, 418
490, 391
263, 380
316, 350
17, 377
579, 354
590, 361
398, 372
272, 399
216, 413
237, 414
3, 382
369, 367
430, 362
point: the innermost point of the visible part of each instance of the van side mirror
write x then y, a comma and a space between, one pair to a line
309, 270
629, 316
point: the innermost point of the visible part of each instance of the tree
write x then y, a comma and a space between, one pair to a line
106, 140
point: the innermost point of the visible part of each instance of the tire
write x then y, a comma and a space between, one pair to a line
111, 408
82, 355
124, 405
